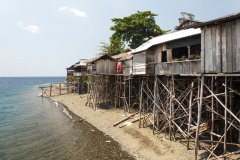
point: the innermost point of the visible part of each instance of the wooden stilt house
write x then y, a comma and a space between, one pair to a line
77, 69
80, 68
221, 45
177, 52
127, 64
103, 64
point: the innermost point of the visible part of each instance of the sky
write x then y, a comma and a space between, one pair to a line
43, 37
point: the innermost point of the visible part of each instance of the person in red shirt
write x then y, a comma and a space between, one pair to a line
119, 67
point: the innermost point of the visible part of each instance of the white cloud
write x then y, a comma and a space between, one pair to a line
32, 28
74, 11
63, 8
29, 28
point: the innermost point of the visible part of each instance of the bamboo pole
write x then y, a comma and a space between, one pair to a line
219, 101
199, 117
154, 107
50, 94
190, 113
225, 119
60, 89
173, 107
212, 115
140, 105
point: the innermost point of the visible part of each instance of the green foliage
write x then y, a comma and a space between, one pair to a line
194, 56
116, 46
70, 78
186, 16
135, 29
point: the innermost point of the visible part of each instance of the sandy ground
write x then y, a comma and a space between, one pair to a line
140, 142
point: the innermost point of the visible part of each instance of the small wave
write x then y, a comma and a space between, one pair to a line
56, 103
40, 94
67, 113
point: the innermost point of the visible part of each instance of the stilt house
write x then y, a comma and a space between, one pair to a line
103, 64
221, 45
70, 70
78, 69
177, 52
126, 62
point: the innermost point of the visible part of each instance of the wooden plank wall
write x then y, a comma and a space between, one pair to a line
105, 66
221, 48
181, 67
150, 60
139, 63
127, 67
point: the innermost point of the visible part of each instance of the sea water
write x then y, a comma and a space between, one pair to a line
32, 127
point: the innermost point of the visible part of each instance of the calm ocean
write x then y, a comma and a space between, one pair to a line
32, 127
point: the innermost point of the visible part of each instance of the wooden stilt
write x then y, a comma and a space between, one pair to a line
225, 119
190, 113
60, 89
50, 94
199, 117
212, 107
140, 105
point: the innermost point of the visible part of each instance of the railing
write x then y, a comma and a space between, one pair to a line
77, 74
178, 67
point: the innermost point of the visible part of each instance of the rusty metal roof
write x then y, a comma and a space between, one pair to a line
166, 38
99, 57
226, 18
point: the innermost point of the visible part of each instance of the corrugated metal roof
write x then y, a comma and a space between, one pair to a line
98, 57
167, 37
219, 20
82, 62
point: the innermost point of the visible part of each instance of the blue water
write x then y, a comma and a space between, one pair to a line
33, 127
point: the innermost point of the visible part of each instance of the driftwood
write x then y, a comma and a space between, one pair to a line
140, 118
119, 122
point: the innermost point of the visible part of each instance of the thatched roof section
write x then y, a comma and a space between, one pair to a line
121, 55
127, 57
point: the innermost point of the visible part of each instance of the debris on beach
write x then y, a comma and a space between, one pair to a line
56, 103
125, 119
127, 123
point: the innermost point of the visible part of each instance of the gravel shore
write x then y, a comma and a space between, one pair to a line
139, 142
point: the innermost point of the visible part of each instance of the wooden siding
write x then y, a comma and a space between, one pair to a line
221, 48
176, 68
150, 59
105, 66
127, 67
139, 63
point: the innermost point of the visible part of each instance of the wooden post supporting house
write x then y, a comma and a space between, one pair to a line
60, 89
50, 92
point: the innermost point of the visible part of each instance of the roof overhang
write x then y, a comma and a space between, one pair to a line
167, 38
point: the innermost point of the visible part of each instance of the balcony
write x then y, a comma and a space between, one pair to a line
188, 67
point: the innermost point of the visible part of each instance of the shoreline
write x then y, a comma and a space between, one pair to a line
138, 142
